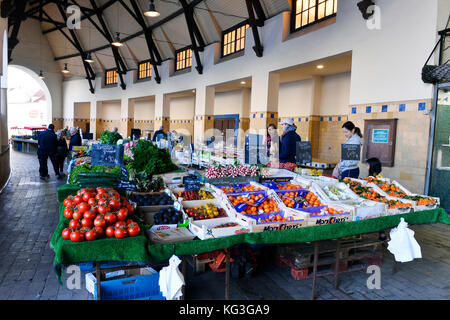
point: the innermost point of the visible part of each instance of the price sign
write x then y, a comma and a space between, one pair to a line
107, 155
304, 152
127, 185
351, 152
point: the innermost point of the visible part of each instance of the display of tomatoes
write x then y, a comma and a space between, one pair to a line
97, 213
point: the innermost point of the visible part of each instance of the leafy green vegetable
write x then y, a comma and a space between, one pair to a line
108, 137
151, 160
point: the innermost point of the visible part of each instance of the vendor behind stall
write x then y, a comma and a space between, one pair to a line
349, 168
75, 138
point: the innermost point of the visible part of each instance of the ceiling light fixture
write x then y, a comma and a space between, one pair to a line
117, 42
65, 70
243, 82
41, 75
320, 66
152, 12
89, 58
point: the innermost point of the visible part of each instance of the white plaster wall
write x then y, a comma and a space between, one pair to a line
230, 102
82, 110
182, 108
386, 63
34, 53
109, 110
295, 99
335, 95
144, 110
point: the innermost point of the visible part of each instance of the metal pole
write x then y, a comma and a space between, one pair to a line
227, 276
336, 267
183, 271
316, 254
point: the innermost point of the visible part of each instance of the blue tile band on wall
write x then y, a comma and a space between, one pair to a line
262, 115
307, 119
339, 118
272, 115
254, 115
321, 118
299, 119
354, 110
368, 109
422, 106
330, 119
384, 108
402, 108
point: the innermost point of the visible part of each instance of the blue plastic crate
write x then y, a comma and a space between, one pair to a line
142, 287
90, 266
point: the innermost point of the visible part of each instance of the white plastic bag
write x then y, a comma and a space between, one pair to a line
171, 280
403, 245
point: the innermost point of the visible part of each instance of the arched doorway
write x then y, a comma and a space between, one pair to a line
29, 100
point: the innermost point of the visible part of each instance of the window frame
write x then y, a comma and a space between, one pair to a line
233, 28
106, 77
138, 78
176, 58
316, 21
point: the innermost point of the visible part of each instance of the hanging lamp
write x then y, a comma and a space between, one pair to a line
117, 42
152, 12
65, 70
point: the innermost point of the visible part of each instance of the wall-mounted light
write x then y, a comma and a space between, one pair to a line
320, 66
65, 70
117, 42
152, 12
243, 82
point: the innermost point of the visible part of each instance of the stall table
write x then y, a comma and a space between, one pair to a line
28, 145
140, 249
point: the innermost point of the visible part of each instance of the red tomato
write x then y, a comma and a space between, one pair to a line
100, 231
92, 202
76, 236
77, 199
122, 214
83, 207
67, 202
77, 215
86, 223
119, 224
129, 221
114, 204
99, 222
103, 209
110, 218
110, 231
68, 213
133, 230
101, 202
86, 196
100, 190
74, 224
90, 215
90, 235
120, 233
130, 208
66, 233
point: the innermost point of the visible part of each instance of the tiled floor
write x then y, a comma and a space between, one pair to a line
28, 217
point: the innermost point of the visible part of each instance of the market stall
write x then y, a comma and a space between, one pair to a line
174, 211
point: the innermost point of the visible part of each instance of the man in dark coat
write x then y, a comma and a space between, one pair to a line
75, 138
288, 141
160, 133
47, 149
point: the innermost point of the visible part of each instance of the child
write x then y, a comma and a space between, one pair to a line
374, 167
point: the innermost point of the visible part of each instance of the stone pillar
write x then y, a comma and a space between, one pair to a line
264, 101
126, 117
93, 117
314, 121
3, 119
162, 112
204, 114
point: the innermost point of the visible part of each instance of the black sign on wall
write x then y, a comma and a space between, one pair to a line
351, 152
304, 152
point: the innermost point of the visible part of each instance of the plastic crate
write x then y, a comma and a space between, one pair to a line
139, 287
90, 266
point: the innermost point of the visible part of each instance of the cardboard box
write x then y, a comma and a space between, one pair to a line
169, 235
204, 229
363, 209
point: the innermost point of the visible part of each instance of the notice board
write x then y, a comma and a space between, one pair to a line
379, 140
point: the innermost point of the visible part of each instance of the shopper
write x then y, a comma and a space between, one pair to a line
272, 143
158, 133
47, 146
75, 138
349, 168
61, 151
374, 166
288, 141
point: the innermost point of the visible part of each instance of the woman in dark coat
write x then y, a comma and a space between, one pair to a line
61, 152
289, 139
